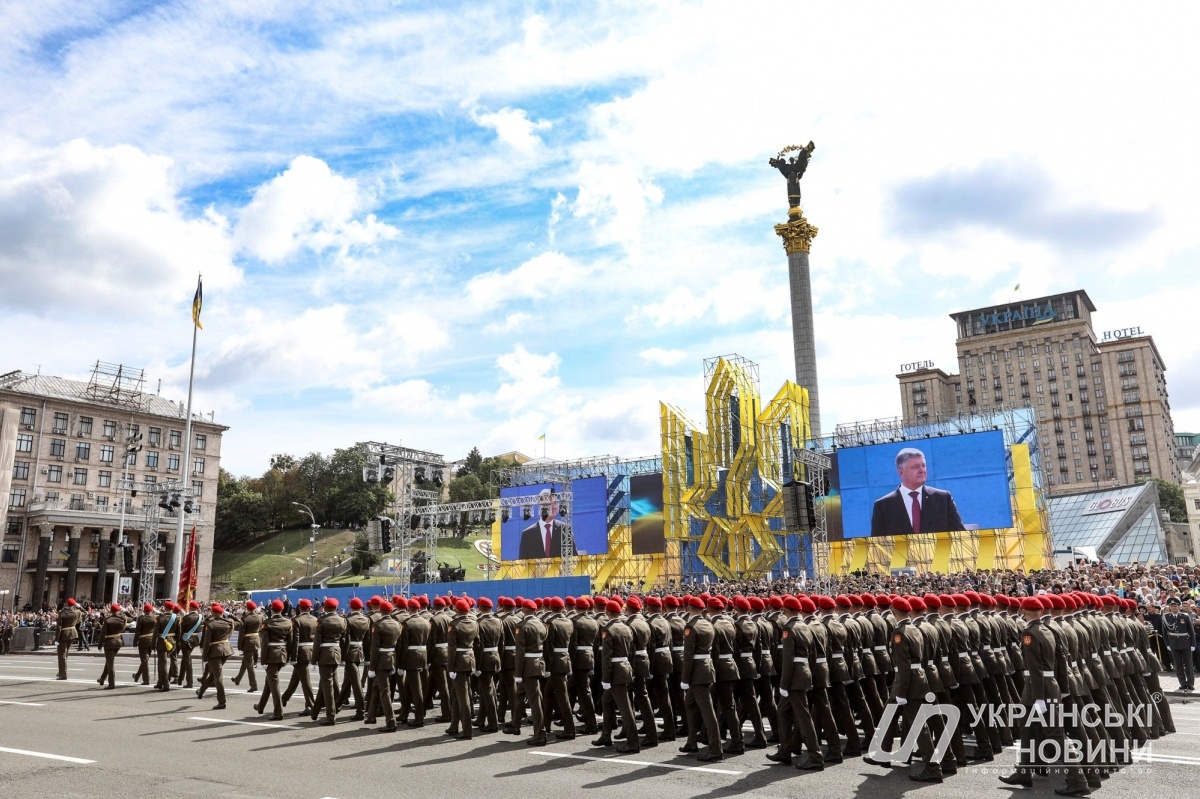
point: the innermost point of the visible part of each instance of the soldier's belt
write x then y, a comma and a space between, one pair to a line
966, 655
354, 644
700, 656
305, 643
250, 635
491, 649
800, 659
945, 658
335, 643
641, 652
442, 646
416, 649
838, 655
577, 649
866, 650
465, 648
277, 643
1108, 652
724, 657
533, 654
676, 649
145, 635
880, 648
1044, 673
662, 649
510, 649
914, 666
820, 660
618, 660
561, 650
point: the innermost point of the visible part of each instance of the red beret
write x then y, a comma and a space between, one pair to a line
1031, 603
584, 602
424, 600
355, 603
1057, 602
528, 604
556, 603
147, 607
115, 608
485, 603
961, 600
304, 604
914, 602
932, 601
757, 604
974, 597
843, 601
277, 605
385, 606
633, 603
439, 602
375, 600
1108, 599
791, 603
71, 601
653, 602
695, 602
613, 606
741, 603
194, 605
901, 604
671, 601
807, 605
716, 603
882, 600
988, 600
217, 609
1069, 602
249, 604
826, 602
507, 602
397, 599
868, 600
775, 602
414, 604
462, 606
569, 601
331, 603
705, 596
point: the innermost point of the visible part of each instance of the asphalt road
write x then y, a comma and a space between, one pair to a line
71, 739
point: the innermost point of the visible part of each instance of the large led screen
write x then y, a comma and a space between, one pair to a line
930, 485
535, 531
646, 514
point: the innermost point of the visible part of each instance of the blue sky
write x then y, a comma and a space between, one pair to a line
451, 225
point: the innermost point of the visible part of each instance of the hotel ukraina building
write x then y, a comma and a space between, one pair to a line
1101, 402
64, 457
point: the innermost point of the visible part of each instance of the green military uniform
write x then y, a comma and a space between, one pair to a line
384, 635
487, 663
189, 637
143, 638
274, 639
796, 726
111, 631
215, 643
358, 627
248, 644
697, 678
68, 622
413, 647
327, 650
616, 677
166, 633
304, 627
529, 671
460, 637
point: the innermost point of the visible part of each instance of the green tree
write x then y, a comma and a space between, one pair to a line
351, 500
467, 488
363, 558
242, 514
472, 464
1171, 499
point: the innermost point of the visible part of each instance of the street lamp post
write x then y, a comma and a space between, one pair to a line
312, 539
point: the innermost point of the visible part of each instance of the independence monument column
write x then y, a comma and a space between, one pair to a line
797, 237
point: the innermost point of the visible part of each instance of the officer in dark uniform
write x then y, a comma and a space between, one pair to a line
143, 638
68, 621
616, 677
796, 726
1180, 634
166, 633
189, 636
111, 631
274, 639
215, 642
251, 624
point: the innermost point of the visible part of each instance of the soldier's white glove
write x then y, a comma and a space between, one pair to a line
476, 673
900, 700
400, 673
371, 674
1039, 707
783, 693
519, 680
684, 686
453, 675
606, 685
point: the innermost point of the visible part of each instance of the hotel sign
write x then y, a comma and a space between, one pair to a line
916, 366
1035, 314
1125, 332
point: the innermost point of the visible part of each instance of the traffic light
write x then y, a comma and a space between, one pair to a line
385, 532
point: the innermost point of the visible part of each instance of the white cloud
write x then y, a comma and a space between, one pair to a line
514, 127
541, 276
662, 357
87, 227
308, 206
513, 321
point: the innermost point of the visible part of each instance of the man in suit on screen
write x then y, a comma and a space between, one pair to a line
914, 507
543, 538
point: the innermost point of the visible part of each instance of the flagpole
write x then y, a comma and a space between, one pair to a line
173, 581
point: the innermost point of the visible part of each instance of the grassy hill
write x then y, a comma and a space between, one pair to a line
450, 550
276, 560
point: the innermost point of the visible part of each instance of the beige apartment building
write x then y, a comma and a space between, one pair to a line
63, 462
1103, 412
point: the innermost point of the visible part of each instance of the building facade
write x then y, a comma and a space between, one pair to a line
1101, 402
64, 467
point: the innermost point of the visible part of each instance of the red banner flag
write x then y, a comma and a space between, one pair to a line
187, 574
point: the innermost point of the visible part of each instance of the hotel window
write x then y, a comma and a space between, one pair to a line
198, 466
54, 474
110, 428
21, 470
154, 436
101, 502
24, 442
85, 425
61, 420
83, 450
104, 479
172, 463
151, 459
58, 447
11, 553
16, 499
201, 441
197, 489
80, 477
29, 416
175, 438
106, 453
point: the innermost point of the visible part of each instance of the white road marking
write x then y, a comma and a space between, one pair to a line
23, 704
246, 723
636, 762
63, 758
24, 678
1175, 759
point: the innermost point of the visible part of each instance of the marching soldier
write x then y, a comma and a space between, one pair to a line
583, 661
215, 643
384, 635
304, 627
274, 639
639, 689
487, 664
559, 634
327, 651
166, 632
506, 693
696, 679
461, 633
110, 642
358, 627
616, 677
747, 657
68, 621
909, 689
530, 670
439, 646
662, 665
248, 645
143, 637
796, 726
724, 662
189, 636
413, 649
